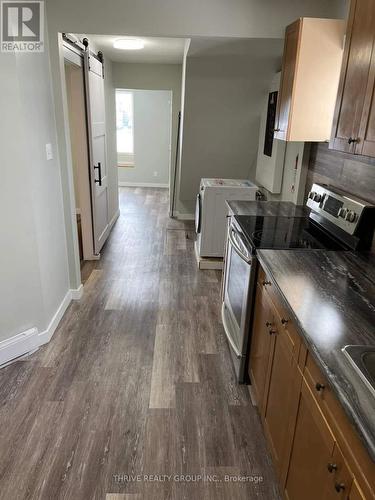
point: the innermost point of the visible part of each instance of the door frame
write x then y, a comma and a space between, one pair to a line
73, 55
172, 174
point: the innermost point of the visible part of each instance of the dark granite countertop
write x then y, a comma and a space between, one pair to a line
332, 298
277, 208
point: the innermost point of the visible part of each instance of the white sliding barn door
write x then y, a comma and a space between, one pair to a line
94, 82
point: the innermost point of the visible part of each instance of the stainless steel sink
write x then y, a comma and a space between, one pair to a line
363, 359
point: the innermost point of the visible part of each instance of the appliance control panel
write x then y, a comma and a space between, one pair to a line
343, 210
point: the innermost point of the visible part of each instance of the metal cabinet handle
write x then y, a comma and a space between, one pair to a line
236, 248
99, 167
331, 467
339, 487
319, 387
265, 282
276, 130
353, 139
228, 333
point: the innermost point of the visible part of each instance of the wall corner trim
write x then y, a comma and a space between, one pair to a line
18, 345
30, 340
77, 293
46, 335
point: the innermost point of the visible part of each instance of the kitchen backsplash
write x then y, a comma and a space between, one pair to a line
353, 174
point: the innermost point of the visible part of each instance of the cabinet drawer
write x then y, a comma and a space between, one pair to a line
283, 321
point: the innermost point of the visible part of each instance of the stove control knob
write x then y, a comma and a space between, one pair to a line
312, 195
342, 212
318, 197
351, 216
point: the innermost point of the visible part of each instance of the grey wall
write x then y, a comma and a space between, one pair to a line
246, 18
33, 269
153, 77
238, 18
224, 96
152, 139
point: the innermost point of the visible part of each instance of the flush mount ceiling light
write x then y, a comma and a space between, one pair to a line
128, 44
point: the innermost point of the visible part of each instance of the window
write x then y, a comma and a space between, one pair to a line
125, 128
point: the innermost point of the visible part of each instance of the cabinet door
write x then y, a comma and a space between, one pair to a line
282, 402
262, 343
366, 144
354, 76
312, 449
355, 493
292, 34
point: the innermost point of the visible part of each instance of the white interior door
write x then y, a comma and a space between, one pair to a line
94, 81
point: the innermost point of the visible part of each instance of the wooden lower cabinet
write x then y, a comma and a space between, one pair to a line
315, 450
262, 344
280, 409
341, 479
355, 493
308, 477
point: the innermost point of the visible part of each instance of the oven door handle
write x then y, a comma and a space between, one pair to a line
227, 332
235, 247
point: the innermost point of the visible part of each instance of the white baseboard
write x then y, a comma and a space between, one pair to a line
18, 345
76, 293
181, 216
142, 184
95, 256
30, 340
45, 337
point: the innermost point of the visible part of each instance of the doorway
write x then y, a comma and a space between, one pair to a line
144, 137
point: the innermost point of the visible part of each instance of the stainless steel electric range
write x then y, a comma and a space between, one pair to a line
337, 221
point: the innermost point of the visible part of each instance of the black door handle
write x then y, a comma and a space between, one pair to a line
351, 139
99, 167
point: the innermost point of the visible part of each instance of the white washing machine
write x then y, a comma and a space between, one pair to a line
211, 211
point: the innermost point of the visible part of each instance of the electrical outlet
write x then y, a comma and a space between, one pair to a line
49, 151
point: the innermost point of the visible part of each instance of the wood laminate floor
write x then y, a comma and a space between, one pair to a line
134, 397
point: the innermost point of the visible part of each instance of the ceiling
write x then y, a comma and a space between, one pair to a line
156, 50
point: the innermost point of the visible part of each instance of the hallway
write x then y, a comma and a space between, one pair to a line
137, 381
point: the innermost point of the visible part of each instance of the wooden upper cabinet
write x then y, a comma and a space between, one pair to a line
310, 74
353, 128
292, 35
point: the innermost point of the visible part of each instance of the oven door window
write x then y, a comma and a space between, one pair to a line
237, 286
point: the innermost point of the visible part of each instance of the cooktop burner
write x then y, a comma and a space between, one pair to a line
284, 233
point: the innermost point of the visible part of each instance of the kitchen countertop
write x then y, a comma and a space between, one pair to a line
332, 298
277, 208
